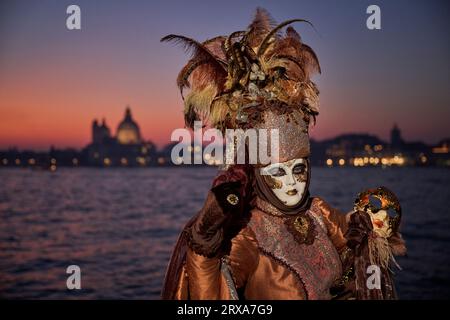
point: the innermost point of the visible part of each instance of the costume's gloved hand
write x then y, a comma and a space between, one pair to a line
359, 229
373, 238
224, 204
376, 219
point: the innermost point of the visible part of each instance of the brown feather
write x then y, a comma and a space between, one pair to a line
228, 44
196, 49
211, 71
265, 43
308, 53
215, 46
183, 75
293, 34
311, 59
297, 61
291, 45
205, 75
260, 26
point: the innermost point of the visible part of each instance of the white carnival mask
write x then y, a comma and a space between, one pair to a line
288, 180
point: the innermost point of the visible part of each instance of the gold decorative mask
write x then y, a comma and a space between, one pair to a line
384, 210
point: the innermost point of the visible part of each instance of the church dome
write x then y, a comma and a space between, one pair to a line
128, 130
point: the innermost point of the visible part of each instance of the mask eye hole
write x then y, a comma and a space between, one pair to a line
391, 213
299, 169
374, 204
277, 172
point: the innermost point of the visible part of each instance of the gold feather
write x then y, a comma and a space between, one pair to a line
197, 105
219, 110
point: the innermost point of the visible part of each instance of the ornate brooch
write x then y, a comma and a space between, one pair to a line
302, 227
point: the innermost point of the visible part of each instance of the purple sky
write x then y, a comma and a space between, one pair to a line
53, 82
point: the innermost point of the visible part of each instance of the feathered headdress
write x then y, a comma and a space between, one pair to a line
231, 76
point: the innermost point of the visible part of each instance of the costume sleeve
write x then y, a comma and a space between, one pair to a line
217, 241
206, 281
208, 277
335, 221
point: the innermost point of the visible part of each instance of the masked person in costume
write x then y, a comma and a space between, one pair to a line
260, 235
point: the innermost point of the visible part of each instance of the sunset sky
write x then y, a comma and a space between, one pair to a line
54, 82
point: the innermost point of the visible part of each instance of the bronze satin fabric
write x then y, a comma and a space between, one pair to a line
260, 276
335, 222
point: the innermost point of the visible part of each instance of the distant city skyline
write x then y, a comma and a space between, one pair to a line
54, 82
127, 131
126, 148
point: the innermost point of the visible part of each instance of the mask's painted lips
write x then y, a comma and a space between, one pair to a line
292, 192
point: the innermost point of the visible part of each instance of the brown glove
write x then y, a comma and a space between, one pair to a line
359, 228
222, 212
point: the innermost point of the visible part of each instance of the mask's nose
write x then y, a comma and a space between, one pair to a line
290, 179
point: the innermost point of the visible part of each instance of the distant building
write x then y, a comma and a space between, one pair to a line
367, 150
126, 148
128, 130
100, 133
440, 154
345, 149
396, 136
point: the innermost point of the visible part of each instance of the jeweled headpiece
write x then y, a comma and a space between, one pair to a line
252, 79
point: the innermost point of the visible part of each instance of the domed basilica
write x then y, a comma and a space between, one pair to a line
128, 130
127, 148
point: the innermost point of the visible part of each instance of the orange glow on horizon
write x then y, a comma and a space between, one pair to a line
40, 109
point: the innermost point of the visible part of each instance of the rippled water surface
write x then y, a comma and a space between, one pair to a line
120, 225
